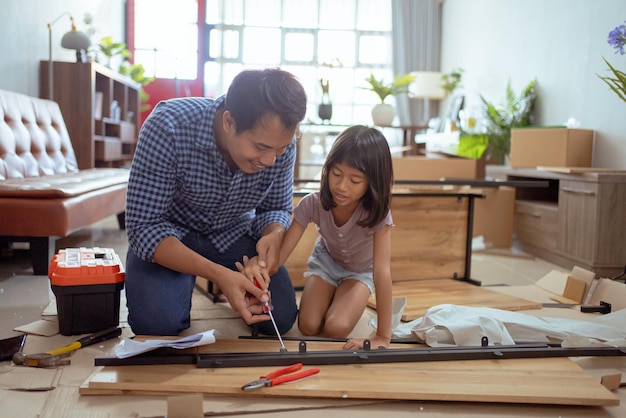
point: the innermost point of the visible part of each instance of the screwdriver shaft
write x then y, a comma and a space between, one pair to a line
282, 344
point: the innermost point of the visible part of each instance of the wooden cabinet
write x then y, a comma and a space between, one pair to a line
101, 110
579, 219
578, 223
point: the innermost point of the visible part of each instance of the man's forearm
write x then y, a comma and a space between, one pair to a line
272, 228
173, 254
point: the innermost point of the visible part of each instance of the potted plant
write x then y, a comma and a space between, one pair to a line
137, 73
325, 108
111, 49
517, 112
450, 81
383, 113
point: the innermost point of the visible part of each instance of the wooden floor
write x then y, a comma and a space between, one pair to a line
47, 393
423, 294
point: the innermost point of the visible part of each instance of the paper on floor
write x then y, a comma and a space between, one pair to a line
445, 325
128, 348
43, 327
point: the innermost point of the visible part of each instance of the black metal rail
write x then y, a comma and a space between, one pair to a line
364, 356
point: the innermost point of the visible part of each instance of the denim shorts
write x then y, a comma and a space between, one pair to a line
321, 264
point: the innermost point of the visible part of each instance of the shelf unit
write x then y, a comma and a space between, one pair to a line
317, 139
312, 147
85, 92
577, 220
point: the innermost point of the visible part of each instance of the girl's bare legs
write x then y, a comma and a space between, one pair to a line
346, 308
314, 303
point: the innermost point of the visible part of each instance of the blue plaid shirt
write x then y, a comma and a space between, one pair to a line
179, 182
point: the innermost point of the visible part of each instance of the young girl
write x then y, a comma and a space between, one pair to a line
351, 257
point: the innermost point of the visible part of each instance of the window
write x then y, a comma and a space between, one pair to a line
339, 40
166, 38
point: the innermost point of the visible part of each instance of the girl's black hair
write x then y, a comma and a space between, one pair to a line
254, 94
367, 150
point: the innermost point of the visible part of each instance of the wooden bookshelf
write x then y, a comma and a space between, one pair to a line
85, 92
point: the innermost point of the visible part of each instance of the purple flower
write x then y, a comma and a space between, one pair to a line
617, 38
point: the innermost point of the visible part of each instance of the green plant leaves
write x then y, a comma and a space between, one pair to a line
617, 83
516, 112
472, 145
111, 49
450, 81
400, 84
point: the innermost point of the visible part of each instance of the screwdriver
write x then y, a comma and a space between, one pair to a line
267, 308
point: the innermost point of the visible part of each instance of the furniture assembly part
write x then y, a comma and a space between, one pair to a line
365, 356
432, 236
421, 295
519, 381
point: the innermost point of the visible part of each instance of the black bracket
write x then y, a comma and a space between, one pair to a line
603, 308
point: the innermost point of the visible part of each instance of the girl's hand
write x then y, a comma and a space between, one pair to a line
252, 270
268, 248
375, 343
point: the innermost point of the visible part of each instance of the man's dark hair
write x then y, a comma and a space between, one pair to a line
254, 94
367, 150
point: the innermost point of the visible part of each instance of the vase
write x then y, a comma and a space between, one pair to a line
325, 112
383, 114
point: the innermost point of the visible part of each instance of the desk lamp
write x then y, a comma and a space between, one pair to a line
71, 40
426, 86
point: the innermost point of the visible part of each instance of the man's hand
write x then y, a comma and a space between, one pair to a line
244, 297
268, 247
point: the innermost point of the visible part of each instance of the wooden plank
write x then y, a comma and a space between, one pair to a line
424, 294
429, 237
580, 170
427, 242
556, 381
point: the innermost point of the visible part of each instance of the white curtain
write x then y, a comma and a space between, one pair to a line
416, 47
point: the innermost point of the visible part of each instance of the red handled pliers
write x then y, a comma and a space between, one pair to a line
281, 376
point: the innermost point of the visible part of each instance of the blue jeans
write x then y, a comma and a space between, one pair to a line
159, 299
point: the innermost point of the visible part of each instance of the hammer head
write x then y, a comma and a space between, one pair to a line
41, 359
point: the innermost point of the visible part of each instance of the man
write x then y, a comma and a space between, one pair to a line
211, 182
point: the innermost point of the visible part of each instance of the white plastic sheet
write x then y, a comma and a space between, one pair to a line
454, 325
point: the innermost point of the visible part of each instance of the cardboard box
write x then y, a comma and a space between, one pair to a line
493, 216
551, 147
436, 167
87, 283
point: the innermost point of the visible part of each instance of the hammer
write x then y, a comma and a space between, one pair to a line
60, 356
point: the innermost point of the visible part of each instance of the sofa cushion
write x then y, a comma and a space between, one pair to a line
33, 138
64, 185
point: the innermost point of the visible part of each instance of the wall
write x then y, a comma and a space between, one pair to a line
561, 43
25, 35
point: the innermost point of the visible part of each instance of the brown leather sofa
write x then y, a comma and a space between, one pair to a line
43, 194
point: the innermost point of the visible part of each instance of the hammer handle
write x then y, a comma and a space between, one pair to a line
88, 340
